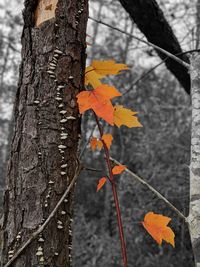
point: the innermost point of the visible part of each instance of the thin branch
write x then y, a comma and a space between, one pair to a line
44, 225
114, 190
144, 75
186, 65
141, 180
91, 169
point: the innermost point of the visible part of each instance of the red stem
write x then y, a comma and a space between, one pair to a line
114, 190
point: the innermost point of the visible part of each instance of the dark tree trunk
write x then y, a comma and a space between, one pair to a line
47, 129
151, 21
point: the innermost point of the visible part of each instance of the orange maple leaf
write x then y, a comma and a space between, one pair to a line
118, 169
100, 69
99, 101
124, 116
156, 226
95, 143
101, 183
107, 138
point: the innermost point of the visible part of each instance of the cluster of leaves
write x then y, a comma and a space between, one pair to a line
99, 101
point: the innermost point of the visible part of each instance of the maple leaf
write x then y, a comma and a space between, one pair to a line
99, 101
100, 69
156, 226
124, 116
91, 77
107, 138
95, 143
101, 183
118, 169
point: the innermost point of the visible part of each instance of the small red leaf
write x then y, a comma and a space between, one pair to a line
118, 169
107, 138
95, 143
101, 183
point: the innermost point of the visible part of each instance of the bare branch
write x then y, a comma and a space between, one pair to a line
141, 180
186, 65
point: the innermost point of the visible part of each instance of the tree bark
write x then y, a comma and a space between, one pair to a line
44, 148
194, 215
151, 21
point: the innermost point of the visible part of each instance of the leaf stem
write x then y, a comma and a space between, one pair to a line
114, 190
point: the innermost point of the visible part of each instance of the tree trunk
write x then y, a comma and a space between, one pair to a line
194, 215
151, 21
47, 129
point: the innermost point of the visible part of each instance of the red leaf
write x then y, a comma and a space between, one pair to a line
99, 101
118, 169
95, 143
101, 183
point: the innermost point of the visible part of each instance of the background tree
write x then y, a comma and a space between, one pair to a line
194, 215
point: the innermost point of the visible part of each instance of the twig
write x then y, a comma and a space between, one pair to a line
114, 190
186, 65
144, 75
44, 225
159, 195
91, 169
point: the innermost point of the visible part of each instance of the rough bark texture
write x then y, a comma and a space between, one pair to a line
151, 21
47, 128
194, 215
198, 25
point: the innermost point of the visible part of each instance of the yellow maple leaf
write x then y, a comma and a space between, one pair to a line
156, 226
100, 69
91, 77
107, 138
124, 116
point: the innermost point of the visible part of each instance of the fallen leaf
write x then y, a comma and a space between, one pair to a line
101, 183
95, 143
45, 11
124, 116
100, 69
118, 169
156, 226
99, 101
107, 138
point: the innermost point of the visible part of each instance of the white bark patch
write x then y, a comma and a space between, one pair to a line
45, 11
194, 215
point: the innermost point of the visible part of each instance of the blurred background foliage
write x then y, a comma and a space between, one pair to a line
159, 152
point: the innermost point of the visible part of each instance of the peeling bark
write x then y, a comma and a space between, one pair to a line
47, 129
194, 215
